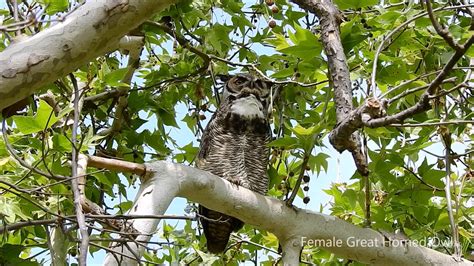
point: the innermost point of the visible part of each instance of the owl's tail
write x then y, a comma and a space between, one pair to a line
217, 228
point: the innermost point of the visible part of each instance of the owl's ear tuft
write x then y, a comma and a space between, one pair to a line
223, 77
269, 83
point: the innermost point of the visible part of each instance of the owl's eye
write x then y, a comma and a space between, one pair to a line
239, 81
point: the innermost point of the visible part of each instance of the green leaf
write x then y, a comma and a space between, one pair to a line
61, 143
304, 51
350, 197
26, 124
279, 41
190, 122
287, 142
303, 36
167, 118
114, 78
319, 161
10, 255
90, 140
54, 6
284, 73
218, 37
355, 4
43, 119
306, 43
299, 130
45, 116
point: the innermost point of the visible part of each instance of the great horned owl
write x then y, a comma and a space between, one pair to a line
234, 147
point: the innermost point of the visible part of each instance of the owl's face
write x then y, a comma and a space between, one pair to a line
247, 95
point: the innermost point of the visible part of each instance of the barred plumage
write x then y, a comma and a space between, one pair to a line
234, 147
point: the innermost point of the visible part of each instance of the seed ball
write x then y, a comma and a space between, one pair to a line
272, 24
204, 107
306, 178
275, 10
305, 200
307, 168
269, 2
291, 174
306, 188
202, 117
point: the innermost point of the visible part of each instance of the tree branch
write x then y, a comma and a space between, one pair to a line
81, 220
98, 25
166, 180
440, 29
339, 73
372, 112
423, 104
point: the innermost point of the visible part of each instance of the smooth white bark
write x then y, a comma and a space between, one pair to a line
90, 31
168, 180
59, 246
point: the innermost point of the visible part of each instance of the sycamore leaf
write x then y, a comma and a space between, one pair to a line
43, 119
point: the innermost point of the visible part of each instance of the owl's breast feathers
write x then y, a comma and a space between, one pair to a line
245, 115
234, 146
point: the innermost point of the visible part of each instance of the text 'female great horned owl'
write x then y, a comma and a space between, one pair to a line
234, 147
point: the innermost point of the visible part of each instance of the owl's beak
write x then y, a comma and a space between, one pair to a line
246, 92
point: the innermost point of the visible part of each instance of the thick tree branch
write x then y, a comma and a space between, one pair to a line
440, 29
339, 73
166, 180
90, 31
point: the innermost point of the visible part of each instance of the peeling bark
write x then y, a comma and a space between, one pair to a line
90, 31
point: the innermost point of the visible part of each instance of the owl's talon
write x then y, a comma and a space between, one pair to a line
290, 205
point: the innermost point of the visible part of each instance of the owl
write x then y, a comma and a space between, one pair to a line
234, 147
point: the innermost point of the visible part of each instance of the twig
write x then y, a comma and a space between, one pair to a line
74, 182
115, 252
413, 90
452, 122
263, 75
21, 161
383, 95
255, 244
19, 225
122, 102
296, 188
423, 103
421, 179
15, 15
390, 34
440, 29
446, 138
